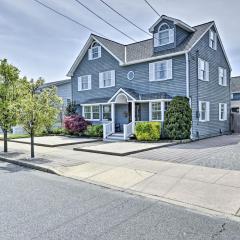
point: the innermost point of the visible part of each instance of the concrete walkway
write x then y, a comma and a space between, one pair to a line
216, 190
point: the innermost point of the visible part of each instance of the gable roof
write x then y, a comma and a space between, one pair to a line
175, 21
143, 51
235, 84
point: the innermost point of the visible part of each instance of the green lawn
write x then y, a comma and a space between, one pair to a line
15, 136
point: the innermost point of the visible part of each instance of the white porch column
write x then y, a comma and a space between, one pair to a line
163, 108
133, 116
113, 116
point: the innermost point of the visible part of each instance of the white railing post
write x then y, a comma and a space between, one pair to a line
133, 117
125, 131
104, 131
113, 116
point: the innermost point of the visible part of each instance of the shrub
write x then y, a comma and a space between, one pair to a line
178, 119
148, 131
75, 124
71, 109
94, 131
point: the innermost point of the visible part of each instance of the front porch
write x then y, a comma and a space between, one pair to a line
124, 109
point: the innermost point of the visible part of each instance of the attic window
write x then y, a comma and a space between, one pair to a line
94, 52
164, 36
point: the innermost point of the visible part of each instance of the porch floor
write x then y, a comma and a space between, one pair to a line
123, 148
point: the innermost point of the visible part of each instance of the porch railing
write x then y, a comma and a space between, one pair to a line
128, 130
107, 129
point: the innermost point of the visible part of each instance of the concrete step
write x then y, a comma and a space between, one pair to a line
116, 137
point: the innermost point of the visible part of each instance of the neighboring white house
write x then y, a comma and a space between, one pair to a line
235, 91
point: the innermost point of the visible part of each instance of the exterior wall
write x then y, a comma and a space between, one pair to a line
144, 111
140, 83
209, 91
65, 92
181, 35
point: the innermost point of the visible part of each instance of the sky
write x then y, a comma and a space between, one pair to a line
42, 43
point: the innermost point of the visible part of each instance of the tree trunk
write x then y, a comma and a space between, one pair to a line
5, 140
32, 144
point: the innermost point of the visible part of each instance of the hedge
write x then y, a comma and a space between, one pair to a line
94, 131
148, 131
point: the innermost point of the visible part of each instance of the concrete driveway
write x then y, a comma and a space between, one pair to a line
218, 152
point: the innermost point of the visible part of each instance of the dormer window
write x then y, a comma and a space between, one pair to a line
94, 52
164, 36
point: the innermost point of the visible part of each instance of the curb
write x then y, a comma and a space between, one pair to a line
31, 166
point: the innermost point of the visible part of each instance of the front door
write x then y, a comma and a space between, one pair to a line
121, 115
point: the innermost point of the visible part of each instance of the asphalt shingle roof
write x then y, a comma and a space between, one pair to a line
235, 84
144, 49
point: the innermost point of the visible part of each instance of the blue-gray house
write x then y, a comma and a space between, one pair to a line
118, 85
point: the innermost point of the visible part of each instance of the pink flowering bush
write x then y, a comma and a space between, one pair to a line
75, 124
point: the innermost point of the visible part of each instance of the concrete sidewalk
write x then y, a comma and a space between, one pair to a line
211, 189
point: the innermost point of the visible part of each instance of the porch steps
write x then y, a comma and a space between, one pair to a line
115, 137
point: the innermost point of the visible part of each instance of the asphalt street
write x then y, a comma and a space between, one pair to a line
37, 205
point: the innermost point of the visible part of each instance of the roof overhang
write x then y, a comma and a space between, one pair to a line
84, 51
175, 21
121, 91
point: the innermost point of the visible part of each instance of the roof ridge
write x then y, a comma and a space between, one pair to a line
204, 23
107, 39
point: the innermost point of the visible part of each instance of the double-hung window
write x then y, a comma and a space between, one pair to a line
91, 112
107, 79
222, 111
204, 111
84, 83
156, 111
159, 71
213, 39
222, 76
203, 70
94, 52
106, 112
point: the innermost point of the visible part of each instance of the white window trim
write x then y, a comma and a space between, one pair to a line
80, 83
206, 69
113, 76
90, 52
157, 38
207, 111
152, 69
162, 111
224, 84
91, 106
224, 113
110, 111
215, 40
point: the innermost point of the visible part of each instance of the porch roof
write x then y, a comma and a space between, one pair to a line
133, 94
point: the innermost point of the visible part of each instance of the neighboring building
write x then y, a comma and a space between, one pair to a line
235, 90
118, 85
64, 90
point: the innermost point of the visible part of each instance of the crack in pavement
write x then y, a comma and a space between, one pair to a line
219, 232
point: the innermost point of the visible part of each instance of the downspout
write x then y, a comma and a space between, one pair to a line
197, 113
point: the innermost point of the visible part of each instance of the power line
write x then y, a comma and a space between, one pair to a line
152, 8
83, 5
67, 17
121, 15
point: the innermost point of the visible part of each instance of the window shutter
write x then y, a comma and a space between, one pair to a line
151, 72
169, 69
210, 39
208, 110
99, 51
156, 39
90, 54
219, 111
215, 41
225, 77
79, 83
101, 80
219, 76
225, 111
113, 78
89, 82
199, 69
171, 35
207, 70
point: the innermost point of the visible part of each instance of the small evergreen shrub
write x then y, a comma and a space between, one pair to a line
178, 119
148, 131
94, 131
71, 109
75, 124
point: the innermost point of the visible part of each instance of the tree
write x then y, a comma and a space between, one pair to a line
10, 90
71, 109
178, 119
39, 107
75, 124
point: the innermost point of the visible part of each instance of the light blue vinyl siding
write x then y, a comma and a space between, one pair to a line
209, 91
